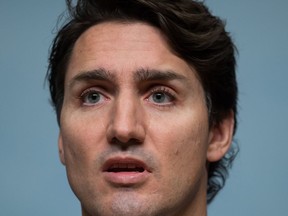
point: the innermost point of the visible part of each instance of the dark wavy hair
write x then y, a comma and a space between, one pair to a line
192, 32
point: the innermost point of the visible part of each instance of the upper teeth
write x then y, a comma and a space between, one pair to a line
123, 166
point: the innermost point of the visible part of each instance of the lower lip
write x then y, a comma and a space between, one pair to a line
126, 178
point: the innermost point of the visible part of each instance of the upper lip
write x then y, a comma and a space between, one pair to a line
125, 163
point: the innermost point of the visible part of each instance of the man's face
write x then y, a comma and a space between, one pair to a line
134, 125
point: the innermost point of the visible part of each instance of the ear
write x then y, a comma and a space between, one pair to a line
220, 138
61, 149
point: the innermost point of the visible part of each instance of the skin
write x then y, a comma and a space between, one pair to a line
128, 96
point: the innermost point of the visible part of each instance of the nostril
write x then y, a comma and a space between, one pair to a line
126, 143
125, 135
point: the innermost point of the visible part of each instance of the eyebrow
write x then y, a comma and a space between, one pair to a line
143, 75
97, 74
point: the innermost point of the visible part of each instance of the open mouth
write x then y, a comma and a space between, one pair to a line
124, 171
125, 167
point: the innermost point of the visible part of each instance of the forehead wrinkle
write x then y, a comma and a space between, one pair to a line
97, 74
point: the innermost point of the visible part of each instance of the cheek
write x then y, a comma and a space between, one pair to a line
182, 144
189, 147
185, 132
181, 149
81, 144
82, 137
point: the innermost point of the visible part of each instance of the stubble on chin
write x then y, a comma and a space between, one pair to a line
124, 203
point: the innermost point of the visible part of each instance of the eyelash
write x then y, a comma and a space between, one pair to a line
166, 91
159, 89
86, 92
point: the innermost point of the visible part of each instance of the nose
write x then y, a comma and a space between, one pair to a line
126, 126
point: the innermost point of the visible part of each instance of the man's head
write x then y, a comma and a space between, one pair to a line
145, 94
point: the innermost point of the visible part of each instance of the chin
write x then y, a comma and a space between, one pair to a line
124, 203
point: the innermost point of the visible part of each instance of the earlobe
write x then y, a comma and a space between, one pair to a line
220, 138
61, 149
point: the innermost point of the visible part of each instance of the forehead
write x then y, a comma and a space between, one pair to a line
124, 47
122, 36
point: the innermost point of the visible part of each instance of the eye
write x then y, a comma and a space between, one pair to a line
161, 96
91, 97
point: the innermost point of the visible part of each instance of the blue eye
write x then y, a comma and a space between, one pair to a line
161, 97
91, 97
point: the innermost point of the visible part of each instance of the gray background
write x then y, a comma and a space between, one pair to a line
32, 180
